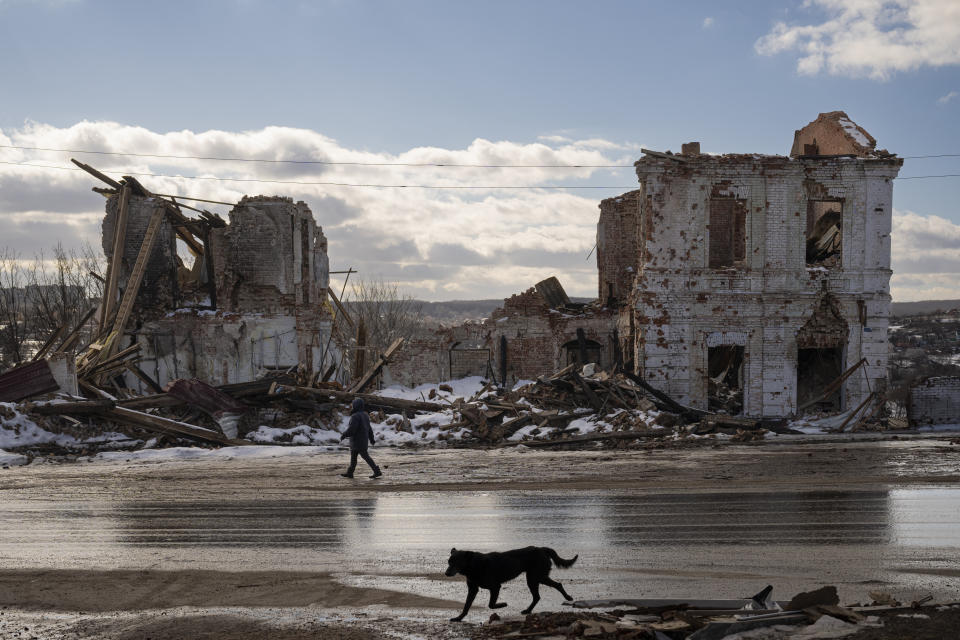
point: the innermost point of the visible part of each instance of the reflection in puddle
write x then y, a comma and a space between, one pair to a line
582, 520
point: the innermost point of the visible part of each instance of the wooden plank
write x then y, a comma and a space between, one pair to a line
96, 174
670, 403
135, 279
382, 360
616, 435
114, 360
336, 301
167, 426
109, 300
83, 407
832, 388
369, 398
187, 236
144, 378
41, 354
75, 334
660, 154
591, 396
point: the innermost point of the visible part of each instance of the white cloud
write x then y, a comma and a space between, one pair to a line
872, 38
507, 239
925, 257
947, 98
707, 22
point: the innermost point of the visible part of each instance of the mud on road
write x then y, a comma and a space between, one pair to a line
75, 566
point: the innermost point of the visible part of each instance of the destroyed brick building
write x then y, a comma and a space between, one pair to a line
253, 301
753, 284
764, 276
535, 332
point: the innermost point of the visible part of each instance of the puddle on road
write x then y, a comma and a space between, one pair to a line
638, 543
581, 520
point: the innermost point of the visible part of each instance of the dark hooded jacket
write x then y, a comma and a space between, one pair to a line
359, 430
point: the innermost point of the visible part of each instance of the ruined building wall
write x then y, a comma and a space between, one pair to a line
271, 273
617, 247
159, 288
833, 133
535, 337
935, 401
271, 257
765, 294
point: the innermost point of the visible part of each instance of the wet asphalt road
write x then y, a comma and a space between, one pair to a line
710, 544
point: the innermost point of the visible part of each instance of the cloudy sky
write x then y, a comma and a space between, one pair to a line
359, 87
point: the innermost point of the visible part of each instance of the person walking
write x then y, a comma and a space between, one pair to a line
359, 431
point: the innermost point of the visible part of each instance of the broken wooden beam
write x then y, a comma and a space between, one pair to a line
371, 400
340, 308
133, 283
372, 373
660, 154
167, 426
74, 335
834, 386
616, 435
109, 300
591, 396
236, 390
82, 407
96, 174
41, 354
143, 377
671, 404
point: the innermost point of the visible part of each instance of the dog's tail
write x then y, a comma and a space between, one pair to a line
557, 560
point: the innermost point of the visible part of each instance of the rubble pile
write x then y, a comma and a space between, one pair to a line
809, 615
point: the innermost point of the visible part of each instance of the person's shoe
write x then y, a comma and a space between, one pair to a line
376, 474
347, 475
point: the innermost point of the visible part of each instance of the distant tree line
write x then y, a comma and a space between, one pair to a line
39, 295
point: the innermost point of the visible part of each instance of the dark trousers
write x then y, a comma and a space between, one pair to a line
366, 457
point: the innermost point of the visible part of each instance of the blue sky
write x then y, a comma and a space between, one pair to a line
587, 81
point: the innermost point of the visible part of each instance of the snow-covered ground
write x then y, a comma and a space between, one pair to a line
18, 430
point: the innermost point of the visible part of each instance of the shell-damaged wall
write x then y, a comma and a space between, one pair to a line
760, 293
267, 311
159, 289
539, 340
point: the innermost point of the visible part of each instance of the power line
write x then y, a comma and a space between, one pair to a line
378, 186
371, 164
331, 162
320, 183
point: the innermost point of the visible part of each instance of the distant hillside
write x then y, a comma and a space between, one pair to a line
458, 311
453, 312
922, 307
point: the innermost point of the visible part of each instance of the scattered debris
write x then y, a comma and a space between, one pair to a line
693, 619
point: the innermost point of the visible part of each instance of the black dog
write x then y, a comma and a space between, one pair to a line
490, 570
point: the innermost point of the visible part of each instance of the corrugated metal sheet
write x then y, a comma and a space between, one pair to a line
26, 381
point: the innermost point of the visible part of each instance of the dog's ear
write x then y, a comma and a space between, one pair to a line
453, 551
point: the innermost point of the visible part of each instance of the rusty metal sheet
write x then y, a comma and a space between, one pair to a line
26, 381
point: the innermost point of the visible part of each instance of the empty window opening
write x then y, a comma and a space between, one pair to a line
191, 268
728, 233
305, 278
816, 369
581, 352
725, 379
824, 233
470, 362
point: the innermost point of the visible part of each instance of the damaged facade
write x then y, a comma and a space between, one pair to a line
751, 284
262, 309
760, 278
533, 333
